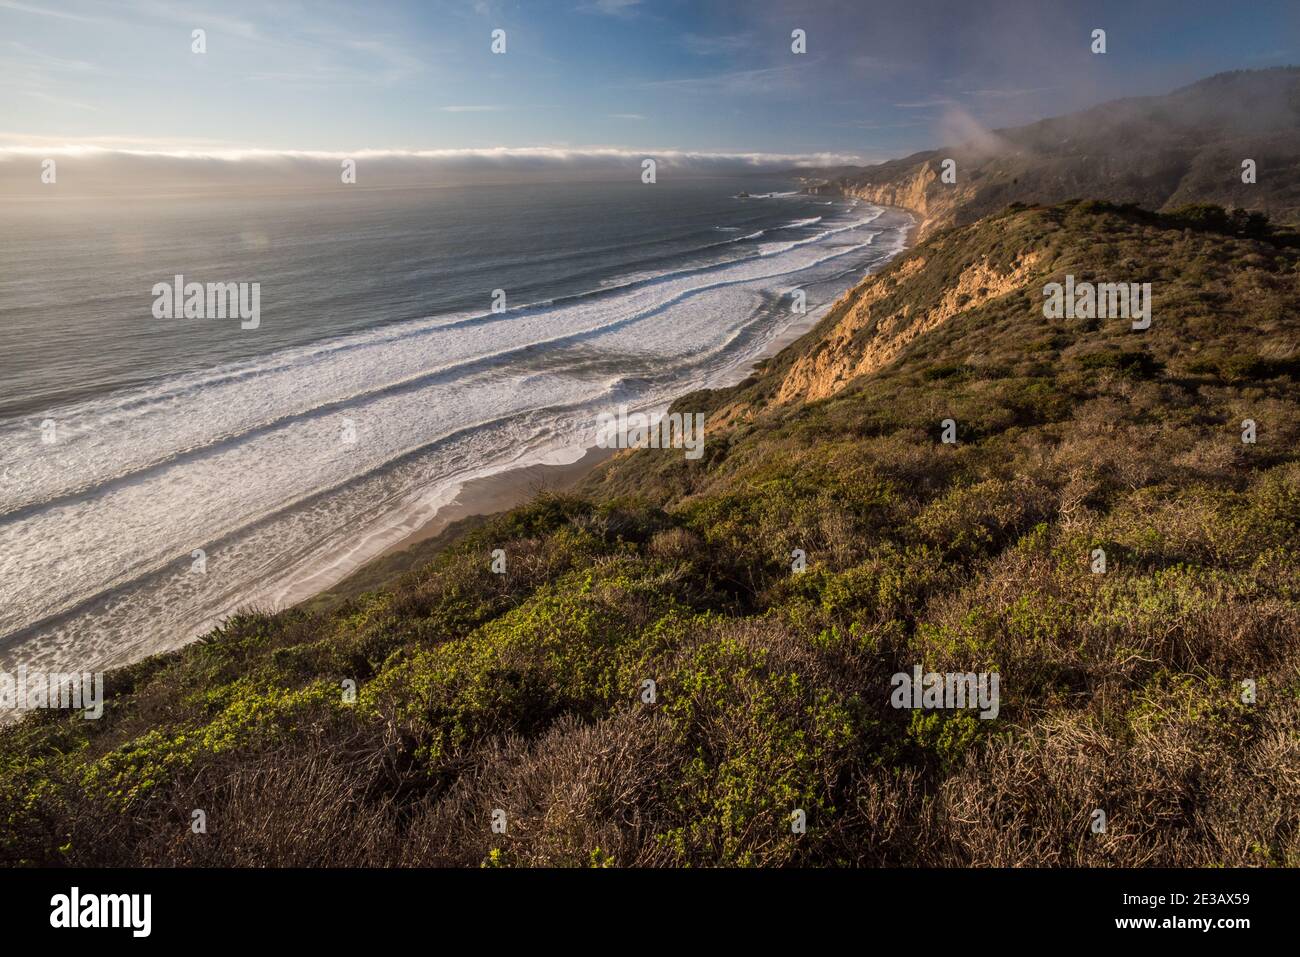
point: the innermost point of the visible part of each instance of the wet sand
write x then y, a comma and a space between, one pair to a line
502, 491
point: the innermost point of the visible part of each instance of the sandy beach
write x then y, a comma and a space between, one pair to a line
502, 490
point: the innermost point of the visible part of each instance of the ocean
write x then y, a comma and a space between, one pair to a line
157, 474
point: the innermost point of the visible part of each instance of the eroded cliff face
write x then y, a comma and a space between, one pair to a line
870, 335
911, 191
921, 191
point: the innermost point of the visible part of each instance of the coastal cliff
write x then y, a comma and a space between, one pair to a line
875, 328
914, 187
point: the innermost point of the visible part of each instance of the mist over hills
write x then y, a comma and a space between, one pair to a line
1157, 151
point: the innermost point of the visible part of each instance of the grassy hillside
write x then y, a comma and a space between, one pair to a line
524, 692
1157, 151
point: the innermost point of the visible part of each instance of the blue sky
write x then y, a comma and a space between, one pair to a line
880, 79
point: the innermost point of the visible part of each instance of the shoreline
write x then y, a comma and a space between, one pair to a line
500, 491
511, 486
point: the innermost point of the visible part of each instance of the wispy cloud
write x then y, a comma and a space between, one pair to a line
611, 8
760, 81
207, 19
470, 109
1008, 94
717, 45
45, 11
396, 63
306, 48
929, 103
46, 61
38, 75
873, 125
61, 100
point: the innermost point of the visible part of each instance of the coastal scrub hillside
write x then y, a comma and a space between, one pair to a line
653, 681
